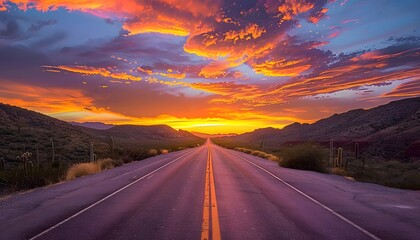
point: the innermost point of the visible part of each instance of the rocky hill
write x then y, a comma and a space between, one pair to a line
390, 131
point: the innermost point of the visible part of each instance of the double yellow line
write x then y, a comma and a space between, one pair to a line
210, 205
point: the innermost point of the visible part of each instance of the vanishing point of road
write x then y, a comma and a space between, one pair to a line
210, 193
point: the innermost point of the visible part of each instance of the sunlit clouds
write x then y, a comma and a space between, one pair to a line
210, 65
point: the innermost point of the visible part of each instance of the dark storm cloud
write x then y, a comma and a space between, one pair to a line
12, 30
41, 24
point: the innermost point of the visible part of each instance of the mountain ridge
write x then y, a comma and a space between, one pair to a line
392, 129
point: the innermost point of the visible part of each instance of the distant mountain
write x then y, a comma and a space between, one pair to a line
206, 135
21, 130
94, 125
391, 131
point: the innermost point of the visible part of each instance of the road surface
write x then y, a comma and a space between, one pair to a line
210, 193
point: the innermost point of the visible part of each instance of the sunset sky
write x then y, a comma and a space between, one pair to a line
211, 66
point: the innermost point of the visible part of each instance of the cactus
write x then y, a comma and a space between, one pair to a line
53, 150
3, 164
25, 159
356, 151
111, 144
331, 152
363, 162
339, 157
347, 162
31, 164
37, 156
262, 143
91, 153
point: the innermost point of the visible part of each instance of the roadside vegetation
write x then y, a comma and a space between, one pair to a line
345, 161
258, 153
305, 157
82, 169
31, 171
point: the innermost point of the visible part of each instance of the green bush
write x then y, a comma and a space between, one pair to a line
304, 156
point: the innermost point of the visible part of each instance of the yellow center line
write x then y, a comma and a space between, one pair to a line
210, 197
206, 209
214, 212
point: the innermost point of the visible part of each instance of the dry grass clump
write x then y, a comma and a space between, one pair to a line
152, 152
338, 171
82, 169
258, 153
106, 163
272, 157
164, 151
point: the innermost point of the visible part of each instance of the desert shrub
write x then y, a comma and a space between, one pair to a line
106, 163
272, 157
255, 152
338, 171
164, 151
152, 152
247, 151
389, 173
258, 153
82, 169
304, 156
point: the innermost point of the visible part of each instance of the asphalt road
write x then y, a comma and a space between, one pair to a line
210, 193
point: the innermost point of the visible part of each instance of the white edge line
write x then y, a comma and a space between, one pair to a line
314, 200
105, 198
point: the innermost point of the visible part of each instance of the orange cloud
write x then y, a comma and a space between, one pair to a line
2, 6
316, 18
281, 68
291, 8
173, 74
252, 31
230, 91
209, 26
95, 71
335, 80
176, 17
47, 100
168, 83
144, 70
406, 89
378, 56
215, 70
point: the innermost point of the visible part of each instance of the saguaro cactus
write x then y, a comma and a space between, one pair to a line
331, 152
25, 159
356, 151
111, 144
3, 164
37, 156
91, 153
31, 164
53, 150
262, 143
339, 157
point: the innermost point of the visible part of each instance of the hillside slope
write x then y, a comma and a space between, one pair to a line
21, 130
390, 130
